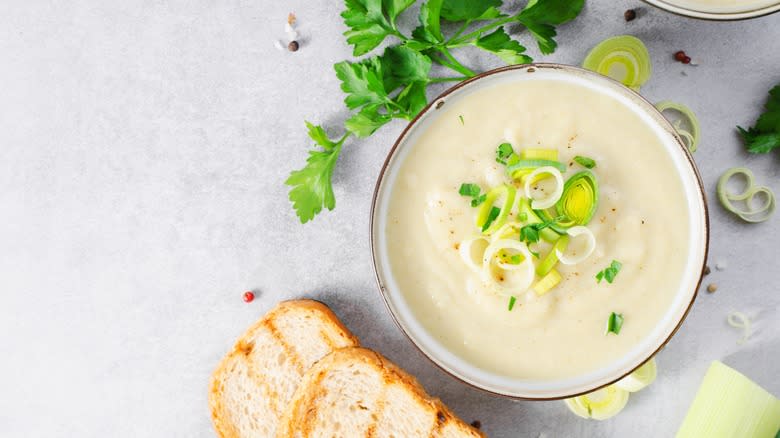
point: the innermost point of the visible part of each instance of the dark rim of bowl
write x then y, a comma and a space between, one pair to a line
712, 16
530, 68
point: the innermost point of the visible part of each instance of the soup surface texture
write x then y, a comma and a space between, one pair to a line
641, 221
723, 6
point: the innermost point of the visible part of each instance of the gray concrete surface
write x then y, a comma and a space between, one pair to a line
143, 146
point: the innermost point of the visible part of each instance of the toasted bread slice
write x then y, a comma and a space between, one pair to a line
252, 385
355, 392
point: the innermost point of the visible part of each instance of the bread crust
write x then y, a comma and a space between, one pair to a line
298, 419
244, 345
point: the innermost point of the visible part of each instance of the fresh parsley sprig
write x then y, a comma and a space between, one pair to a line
610, 272
765, 135
393, 85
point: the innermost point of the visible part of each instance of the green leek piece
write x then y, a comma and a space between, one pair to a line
539, 154
750, 213
640, 378
551, 259
728, 404
623, 58
578, 203
485, 208
691, 137
547, 233
524, 167
600, 404
546, 283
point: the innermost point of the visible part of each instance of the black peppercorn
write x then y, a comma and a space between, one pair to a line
629, 15
293, 46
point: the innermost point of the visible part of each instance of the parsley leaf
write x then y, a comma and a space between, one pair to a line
470, 10
614, 323
365, 122
367, 24
765, 135
609, 273
540, 17
504, 47
588, 163
362, 81
311, 186
512, 301
472, 191
430, 23
503, 152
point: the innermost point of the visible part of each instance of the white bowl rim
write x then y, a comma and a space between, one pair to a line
714, 16
552, 394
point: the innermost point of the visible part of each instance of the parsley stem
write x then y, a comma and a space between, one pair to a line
453, 63
460, 31
458, 41
452, 79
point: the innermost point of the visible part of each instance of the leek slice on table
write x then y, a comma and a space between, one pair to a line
640, 378
508, 192
549, 200
750, 212
623, 58
600, 404
691, 137
729, 404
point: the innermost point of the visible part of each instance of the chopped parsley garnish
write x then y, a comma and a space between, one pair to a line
588, 163
609, 272
512, 302
461, 120
504, 152
494, 212
530, 233
614, 323
472, 191
765, 135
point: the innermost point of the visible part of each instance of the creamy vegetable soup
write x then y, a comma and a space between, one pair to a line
538, 229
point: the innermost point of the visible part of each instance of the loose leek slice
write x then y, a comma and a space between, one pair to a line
471, 251
640, 378
600, 404
508, 192
547, 233
590, 245
551, 259
525, 267
623, 58
741, 321
691, 137
579, 200
750, 213
551, 199
539, 154
728, 404
546, 283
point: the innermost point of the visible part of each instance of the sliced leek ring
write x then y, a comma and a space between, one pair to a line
551, 199
749, 213
546, 283
539, 154
590, 245
467, 248
600, 404
623, 58
484, 209
579, 200
640, 378
551, 259
526, 266
508, 230
691, 137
